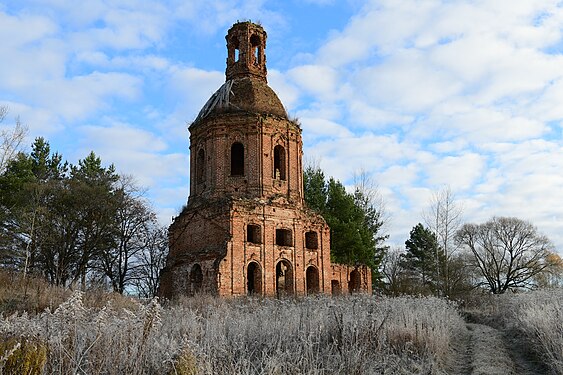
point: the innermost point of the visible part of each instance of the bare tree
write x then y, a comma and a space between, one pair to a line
11, 140
151, 261
444, 218
133, 220
394, 274
508, 252
373, 197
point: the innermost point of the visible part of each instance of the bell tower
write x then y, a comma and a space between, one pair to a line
245, 228
246, 43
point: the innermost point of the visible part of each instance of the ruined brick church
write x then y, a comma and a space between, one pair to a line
246, 229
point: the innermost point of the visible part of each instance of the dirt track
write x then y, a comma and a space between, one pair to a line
485, 350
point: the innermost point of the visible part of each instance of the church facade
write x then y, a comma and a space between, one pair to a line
246, 229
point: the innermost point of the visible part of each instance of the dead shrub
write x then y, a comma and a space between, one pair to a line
22, 356
185, 364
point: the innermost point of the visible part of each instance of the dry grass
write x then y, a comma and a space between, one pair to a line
34, 295
204, 335
539, 316
30, 294
535, 317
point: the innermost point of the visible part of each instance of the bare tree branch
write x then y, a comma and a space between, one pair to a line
11, 139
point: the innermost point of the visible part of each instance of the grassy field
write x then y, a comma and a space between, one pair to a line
97, 333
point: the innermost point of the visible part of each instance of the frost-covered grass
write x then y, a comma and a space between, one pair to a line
539, 316
204, 335
535, 317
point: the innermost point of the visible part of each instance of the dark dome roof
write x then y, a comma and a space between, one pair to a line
246, 94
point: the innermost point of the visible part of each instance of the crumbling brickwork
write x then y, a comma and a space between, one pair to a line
246, 229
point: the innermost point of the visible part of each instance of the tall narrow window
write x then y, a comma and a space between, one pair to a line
237, 159
312, 280
254, 279
236, 46
196, 278
279, 163
255, 43
200, 166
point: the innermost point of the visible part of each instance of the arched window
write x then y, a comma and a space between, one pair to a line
200, 166
284, 278
196, 278
253, 279
279, 163
255, 43
237, 159
355, 282
236, 50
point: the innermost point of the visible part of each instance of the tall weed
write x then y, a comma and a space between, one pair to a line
204, 335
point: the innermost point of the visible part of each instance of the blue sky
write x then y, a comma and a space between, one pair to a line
419, 94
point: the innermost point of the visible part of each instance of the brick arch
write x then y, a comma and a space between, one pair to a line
312, 279
253, 278
196, 278
355, 283
284, 278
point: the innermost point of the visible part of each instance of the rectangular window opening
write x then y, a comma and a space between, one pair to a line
284, 237
253, 234
311, 240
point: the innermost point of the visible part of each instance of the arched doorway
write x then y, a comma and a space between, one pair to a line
284, 278
312, 279
196, 278
254, 279
355, 282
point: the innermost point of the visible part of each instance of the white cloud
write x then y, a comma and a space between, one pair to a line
134, 151
315, 79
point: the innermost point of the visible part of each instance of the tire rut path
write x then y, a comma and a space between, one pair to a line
488, 351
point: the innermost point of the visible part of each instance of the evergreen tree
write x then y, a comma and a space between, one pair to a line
424, 259
355, 225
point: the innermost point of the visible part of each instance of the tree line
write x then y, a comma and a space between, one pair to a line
82, 225
449, 258
87, 225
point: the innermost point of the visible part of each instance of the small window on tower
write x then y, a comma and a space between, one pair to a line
279, 163
237, 159
200, 166
253, 234
255, 43
236, 51
284, 237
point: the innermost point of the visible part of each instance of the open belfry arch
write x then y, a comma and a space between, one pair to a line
246, 229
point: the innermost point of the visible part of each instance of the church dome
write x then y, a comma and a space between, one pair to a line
246, 94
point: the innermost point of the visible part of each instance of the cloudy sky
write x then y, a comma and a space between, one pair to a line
419, 94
